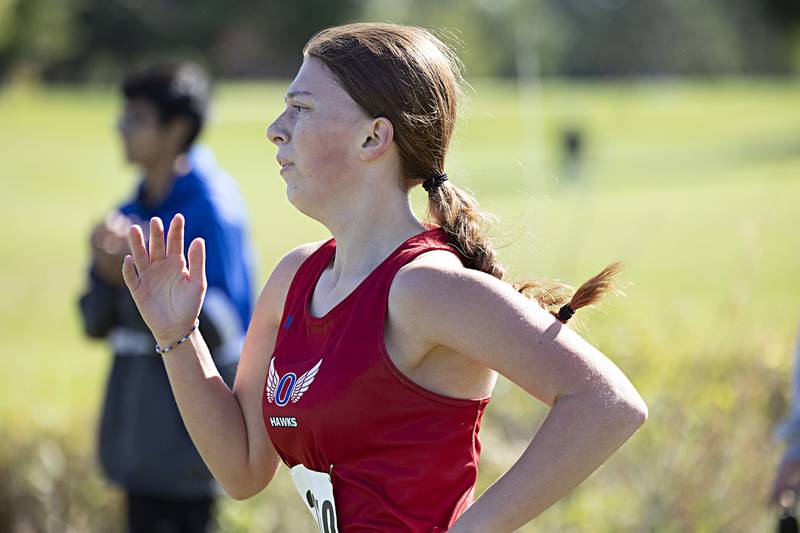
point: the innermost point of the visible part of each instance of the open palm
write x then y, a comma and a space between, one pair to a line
168, 294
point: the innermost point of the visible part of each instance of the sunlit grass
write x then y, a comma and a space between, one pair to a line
695, 186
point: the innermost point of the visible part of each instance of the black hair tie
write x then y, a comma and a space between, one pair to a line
434, 182
565, 313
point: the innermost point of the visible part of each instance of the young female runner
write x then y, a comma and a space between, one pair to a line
370, 357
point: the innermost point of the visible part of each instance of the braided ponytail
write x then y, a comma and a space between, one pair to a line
458, 214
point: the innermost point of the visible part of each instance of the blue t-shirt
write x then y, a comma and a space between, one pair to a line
210, 201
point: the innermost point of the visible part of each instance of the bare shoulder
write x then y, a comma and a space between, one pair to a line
289, 263
437, 282
273, 295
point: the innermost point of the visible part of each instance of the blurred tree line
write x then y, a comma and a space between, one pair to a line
78, 40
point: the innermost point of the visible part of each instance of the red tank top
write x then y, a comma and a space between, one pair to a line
400, 457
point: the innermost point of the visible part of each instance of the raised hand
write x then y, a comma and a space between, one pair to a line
168, 294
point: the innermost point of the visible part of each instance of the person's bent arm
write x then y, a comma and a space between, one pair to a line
595, 409
787, 479
97, 309
225, 426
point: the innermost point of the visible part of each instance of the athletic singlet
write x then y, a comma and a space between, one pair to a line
399, 457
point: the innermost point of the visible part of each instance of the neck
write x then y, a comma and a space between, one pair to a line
159, 177
371, 231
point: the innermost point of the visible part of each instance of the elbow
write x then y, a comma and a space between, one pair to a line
239, 489
239, 493
635, 412
94, 328
643, 413
95, 324
243, 489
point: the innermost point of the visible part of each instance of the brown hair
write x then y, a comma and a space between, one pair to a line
410, 77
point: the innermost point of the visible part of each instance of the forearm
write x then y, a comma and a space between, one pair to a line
212, 416
578, 435
97, 308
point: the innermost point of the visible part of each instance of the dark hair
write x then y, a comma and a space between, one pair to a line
180, 90
410, 77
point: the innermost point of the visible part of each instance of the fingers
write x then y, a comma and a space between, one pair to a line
138, 250
129, 273
197, 260
156, 239
98, 236
118, 226
175, 236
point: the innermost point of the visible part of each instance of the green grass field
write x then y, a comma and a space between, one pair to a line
694, 185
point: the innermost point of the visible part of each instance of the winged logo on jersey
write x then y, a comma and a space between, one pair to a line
282, 389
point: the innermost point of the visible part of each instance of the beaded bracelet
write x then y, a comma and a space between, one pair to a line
160, 350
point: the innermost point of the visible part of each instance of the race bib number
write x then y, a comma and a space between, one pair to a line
317, 492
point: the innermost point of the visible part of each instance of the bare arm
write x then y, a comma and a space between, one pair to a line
595, 409
225, 426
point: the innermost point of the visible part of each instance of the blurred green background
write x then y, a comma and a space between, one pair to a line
688, 173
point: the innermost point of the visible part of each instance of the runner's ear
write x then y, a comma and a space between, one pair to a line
379, 138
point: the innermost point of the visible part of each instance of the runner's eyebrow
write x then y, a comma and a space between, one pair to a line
292, 94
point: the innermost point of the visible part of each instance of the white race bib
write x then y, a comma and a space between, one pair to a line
316, 490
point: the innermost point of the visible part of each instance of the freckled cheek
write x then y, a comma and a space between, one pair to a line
323, 149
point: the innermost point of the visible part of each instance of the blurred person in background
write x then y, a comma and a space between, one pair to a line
144, 445
371, 356
787, 478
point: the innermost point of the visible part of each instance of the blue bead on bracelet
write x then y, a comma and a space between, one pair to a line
160, 350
